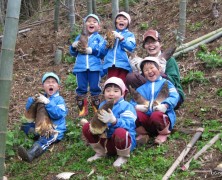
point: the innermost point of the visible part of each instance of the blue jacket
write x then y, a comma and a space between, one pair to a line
92, 61
57, 111
118, 54
150, 90
126, 116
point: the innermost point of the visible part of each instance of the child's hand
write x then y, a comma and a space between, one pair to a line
161, 107
88, 50
42, 99
106, 116
118, 35
141, 107
75, 44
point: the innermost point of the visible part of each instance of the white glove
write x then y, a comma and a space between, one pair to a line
141, 107
162, 64
42, 99
118, 35
75, 44
88, 50
106, 116
161, 107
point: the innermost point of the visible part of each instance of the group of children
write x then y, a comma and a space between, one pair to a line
127, 122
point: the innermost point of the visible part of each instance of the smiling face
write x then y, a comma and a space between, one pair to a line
92, 25
151, 71
152, 46
112, 91
121, 22
50, 86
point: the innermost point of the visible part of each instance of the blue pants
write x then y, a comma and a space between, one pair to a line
88, 78
41, 140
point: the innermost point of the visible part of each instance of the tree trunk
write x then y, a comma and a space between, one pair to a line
71, 15
126, 6
6, 71
182, 21
56, 15
89, 7
94, 6
115, 9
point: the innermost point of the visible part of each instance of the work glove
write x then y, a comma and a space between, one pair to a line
106, 116
141, 107
75, 44
161, 107
42, 99
118, 35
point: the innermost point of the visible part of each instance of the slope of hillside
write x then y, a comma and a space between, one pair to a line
35, 53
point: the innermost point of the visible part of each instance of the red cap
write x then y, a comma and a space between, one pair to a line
151, 33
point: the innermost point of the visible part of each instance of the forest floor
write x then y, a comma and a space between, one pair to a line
35, 51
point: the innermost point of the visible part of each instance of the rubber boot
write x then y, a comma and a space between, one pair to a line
163, 134
123, 156
100, 152
95, 100
142, 136
83, 105
35, 151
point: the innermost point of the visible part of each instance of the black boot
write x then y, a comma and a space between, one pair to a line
32, 153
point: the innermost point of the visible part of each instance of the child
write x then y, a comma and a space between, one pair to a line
88, 65
160, 119
56, 108
120, 134
152, 43
116, 61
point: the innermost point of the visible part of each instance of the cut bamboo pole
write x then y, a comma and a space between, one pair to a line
209, 144
195, 41
196, 136
215, 36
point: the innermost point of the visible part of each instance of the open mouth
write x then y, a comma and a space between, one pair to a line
121, 25
50, 89
91, 28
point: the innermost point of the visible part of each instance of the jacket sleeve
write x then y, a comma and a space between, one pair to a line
126, 119
128, 43
56, 109
29, 102
72, 50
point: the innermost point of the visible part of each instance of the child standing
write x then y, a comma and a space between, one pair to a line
88, 65
153, 44
120, 134
160, 119
116, 60
56, 109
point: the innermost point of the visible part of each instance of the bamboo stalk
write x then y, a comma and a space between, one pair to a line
196, 136
215, 36
6, 71
195, 41
209, 144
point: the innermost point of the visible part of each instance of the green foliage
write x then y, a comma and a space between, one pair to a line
69, 59
75, 33
219, 92
15, 138
193, 76
212, 59
70, 82
143, 26
195, 26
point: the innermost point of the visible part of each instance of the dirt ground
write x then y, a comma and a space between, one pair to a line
35, 50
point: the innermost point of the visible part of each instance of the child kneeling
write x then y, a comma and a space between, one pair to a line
120, 134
